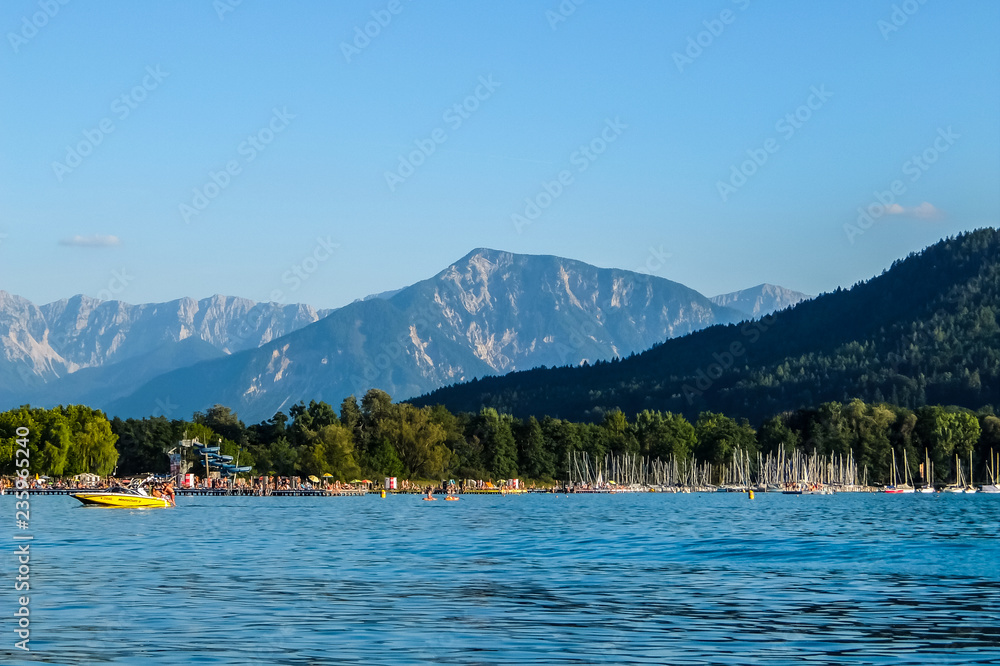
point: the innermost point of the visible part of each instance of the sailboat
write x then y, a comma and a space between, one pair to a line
991, 470
969, 488
900, 488
907, 477
928, 474
958, 486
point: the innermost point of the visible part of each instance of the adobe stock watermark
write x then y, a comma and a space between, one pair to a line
117, 284
899, 17
886, 200
582, 158
656, 260
248, 149
22, 518
569, 346
223, 7
423, 318
453, 117
64, 341
37, 21
786, 127
121, 108
702, 40
164, 407
562, 12
301, 271
706, 377
363, 35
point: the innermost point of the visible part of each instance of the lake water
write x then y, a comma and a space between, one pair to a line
637, 579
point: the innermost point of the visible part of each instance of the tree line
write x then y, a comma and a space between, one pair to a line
375, 437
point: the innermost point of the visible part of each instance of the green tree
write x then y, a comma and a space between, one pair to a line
10, 421
718, 436
142, 444
966, 432
946, 434
619, 436
662, 435
350, 418
561, 438
776, 435
330, 450
534, 459
93, 443
384, 461
223, 422
499, 448
419, 441
989, 438
54, 443
278, 457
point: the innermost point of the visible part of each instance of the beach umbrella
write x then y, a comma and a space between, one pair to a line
328, 475
313, 479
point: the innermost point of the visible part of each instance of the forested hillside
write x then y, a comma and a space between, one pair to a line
925, 331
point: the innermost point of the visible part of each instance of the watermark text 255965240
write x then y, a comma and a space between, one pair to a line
22, 514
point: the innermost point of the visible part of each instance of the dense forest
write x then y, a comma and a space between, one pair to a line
926, 331
376, 438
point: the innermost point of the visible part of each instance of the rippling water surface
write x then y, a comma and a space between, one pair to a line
643, 579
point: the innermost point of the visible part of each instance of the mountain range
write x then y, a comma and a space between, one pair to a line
490, 313
925, 331
760, 300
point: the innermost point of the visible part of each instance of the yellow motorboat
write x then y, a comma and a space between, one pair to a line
134, 498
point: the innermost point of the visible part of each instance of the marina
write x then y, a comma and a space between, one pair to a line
798, 473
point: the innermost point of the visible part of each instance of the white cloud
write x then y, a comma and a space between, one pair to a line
925, 211
91, 241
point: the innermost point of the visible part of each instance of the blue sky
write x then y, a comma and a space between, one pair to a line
117, 115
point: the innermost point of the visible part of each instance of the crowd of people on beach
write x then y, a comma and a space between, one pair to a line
267, 485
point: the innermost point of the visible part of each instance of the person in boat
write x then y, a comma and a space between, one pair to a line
430, 492
168, 493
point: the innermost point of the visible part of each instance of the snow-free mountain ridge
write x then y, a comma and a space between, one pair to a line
760, 300
489, 313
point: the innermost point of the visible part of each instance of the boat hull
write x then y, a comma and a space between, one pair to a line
116, 500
